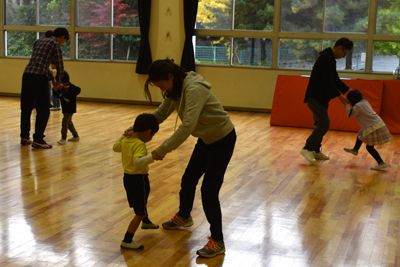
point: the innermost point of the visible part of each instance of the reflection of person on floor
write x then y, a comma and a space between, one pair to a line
67, 95
323, 86
34, 89
135, 161
373, 129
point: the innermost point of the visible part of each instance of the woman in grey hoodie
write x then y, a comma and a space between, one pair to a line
202, 116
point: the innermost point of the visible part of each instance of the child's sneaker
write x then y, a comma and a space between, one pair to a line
61, 142
212, 248
177, 222
25, 142
380, 166
73, 139
133, 245
150, 226
351, 151
42, 144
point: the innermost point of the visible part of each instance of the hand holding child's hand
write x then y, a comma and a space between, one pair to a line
156, 156
128, 132
344, 100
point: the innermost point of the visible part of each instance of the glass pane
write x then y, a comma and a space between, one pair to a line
301, 16
345, 16
126, 13
252, 51
20, 44
354, 60
126, 47
94, 13
21, 12
66, 49
254, 15
212, 50
297, 53
93, 46
214, 15
387, 18
386, 56
54, 12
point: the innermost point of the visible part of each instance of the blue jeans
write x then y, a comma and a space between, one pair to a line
321, 125
56, 101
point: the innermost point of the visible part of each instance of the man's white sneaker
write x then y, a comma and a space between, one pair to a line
321, 155
308, 155
379, 167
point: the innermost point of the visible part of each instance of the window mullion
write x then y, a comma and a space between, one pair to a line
2, 18
373, 9
276, 29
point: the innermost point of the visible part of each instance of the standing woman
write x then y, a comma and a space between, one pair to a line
202, 116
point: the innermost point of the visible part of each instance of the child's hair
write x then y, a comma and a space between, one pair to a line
48, 33
159, 70
146, 122
345, 43
354, 96
65, 78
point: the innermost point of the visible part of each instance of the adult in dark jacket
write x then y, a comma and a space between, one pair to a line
323, 86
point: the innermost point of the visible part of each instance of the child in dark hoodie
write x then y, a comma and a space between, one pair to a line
67, 96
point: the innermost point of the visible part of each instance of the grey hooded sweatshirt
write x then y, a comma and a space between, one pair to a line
201, 113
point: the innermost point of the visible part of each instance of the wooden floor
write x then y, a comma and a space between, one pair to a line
66, 206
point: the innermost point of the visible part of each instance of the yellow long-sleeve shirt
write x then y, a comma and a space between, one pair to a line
134, 155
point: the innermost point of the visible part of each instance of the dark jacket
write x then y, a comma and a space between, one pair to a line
68, 98
325, 83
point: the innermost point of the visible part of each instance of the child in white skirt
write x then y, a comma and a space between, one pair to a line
373, 130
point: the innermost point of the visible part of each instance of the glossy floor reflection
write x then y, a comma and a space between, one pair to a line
66, 206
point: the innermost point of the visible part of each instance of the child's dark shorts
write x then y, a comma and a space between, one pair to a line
137, 189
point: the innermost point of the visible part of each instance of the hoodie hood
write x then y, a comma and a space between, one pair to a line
192, 78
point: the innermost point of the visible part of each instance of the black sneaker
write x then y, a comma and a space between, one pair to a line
42, 145
212, 248
177, 222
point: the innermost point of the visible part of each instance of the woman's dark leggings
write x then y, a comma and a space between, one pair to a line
212, 161
371, 150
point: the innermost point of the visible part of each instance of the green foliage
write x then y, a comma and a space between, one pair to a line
20, 44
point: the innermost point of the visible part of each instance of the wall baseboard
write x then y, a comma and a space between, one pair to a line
133, 102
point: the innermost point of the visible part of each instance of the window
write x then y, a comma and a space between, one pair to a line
387, 18
94, 44
228, 50
228, 32
301, 16
20, 44
386, 56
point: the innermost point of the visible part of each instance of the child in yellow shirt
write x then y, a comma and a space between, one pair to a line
135, 161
